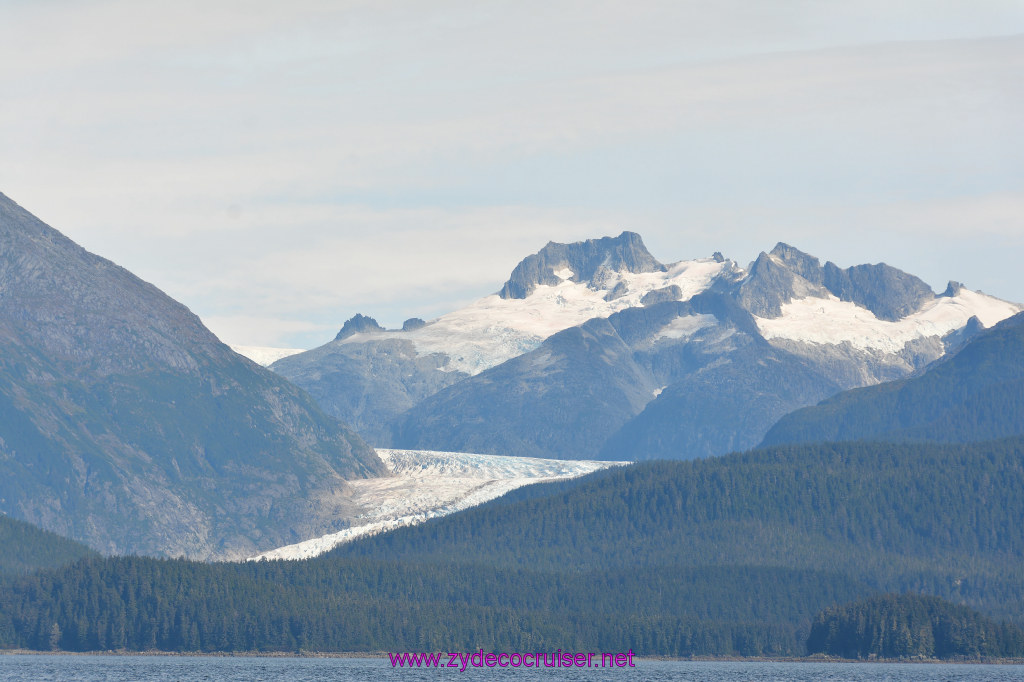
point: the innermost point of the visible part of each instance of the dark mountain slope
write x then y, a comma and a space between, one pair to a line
567, 397
725, 406
587, 392
975, 394
940, 519
27, 547
126, 424
368, 383
561, 400
912, 626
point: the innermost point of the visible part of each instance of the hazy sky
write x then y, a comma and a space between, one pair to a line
278, 167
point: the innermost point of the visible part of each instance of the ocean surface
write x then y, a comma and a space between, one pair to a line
253, 669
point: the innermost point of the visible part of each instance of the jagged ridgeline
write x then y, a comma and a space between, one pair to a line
597, 349
126, 424
724, 556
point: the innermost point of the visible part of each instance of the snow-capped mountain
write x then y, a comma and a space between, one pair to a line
495, 328
892, 320
541, 299
369, 375
585, 338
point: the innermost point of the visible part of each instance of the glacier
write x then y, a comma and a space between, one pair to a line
831, 321
425, 484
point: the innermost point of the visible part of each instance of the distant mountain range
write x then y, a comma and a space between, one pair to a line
126, 424
972, 394
730, 555
596, 349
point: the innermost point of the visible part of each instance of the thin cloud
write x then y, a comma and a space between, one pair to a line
273, 161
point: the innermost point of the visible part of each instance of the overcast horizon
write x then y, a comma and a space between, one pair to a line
278, 168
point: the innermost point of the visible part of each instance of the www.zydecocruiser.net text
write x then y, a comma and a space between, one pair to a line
462, 660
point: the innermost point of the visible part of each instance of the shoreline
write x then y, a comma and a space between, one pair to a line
384, 654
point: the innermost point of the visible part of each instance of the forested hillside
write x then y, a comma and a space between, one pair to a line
732, 555
24, 547
900, 517
912, 626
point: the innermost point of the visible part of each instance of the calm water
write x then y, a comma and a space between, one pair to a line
121, 668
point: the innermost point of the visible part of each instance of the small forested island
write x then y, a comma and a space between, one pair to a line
912, 626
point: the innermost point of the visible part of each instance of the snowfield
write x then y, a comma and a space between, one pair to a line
831, 321
427, 484
491, 330
263, 355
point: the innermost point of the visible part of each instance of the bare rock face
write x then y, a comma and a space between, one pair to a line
889, 293
786, 273
777, 278
126, 424
358, 324
590, 262
669, 293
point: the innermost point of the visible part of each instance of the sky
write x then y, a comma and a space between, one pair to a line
279, 167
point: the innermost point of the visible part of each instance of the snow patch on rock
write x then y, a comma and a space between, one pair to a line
685, 326
831, 321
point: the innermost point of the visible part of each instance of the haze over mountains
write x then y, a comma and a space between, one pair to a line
126, 424
596, 349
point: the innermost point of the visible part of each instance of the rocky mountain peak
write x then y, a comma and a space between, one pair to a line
952, 289
779, 277
803, 264
786, 273
357, 324
886, 291
590, 262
